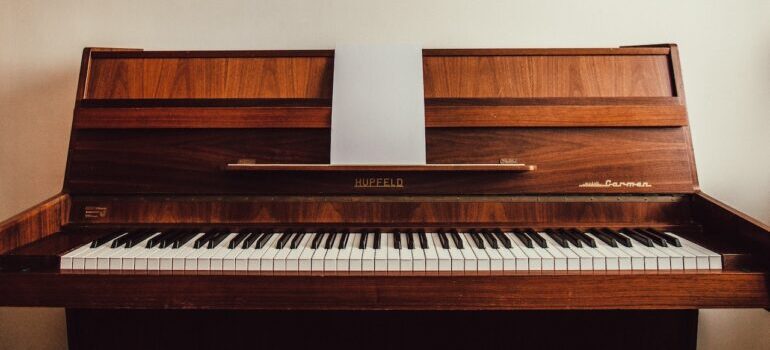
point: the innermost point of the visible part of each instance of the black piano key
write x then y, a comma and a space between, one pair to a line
396, 240
655, 237
185, 237
456, 238
583, 237
557, 237
139, 237
423, 239
623, 240
169, 240
606, 238
571, 237
377, 239
637, 237
297, 240
523, 238
216, 240
251, 238
443, 239
128, 237
364, 238
155, 241
317, 240
203, 240
262, 241
503, 238
330, 240
537, 238
284, 239
238, 239
476, 239
344, 239
669, 238
490, 239
409, 239
107, 238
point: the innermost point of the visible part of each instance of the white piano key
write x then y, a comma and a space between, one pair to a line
293, 256
598, 260
369, 261
611, 257
564, 259
444, 259
266, 261
179, 259
381, 254
230, 261
508, 260
305, 261
394, 259
88, 261
431, 256
343, 257
526, 258
255, 259
221, 251
406, 262
104, 260
319, 254
470, 263
65, 262
482, 259
586, 260
356, 254
128, 262
714, 259
191, 259
650, 257
153, 260
547, 261
330, 259
676, 258
418, 256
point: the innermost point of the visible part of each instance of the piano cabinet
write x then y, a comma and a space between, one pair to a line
577, 139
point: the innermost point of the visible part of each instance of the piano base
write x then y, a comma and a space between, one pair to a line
184, 329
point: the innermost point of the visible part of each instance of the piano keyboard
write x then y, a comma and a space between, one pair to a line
475, 250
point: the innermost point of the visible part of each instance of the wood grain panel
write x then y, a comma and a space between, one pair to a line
547, 76
166, 78
35, 223
417, 292
386, 211
191, 161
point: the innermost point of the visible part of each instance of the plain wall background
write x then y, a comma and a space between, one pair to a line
724, 47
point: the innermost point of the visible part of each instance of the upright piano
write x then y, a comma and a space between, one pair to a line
559, 206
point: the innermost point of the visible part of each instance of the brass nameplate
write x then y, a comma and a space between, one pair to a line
378, 182
94, 212
610, 183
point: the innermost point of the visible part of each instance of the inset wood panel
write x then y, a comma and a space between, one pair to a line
547, 76
35, 223
192, 161
186, 78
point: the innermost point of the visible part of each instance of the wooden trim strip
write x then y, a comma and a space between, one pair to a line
34, 223
426, 52
316, 113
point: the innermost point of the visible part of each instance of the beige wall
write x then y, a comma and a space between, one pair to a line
725, 48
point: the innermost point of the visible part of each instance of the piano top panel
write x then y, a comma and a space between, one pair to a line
592, 121
640, 72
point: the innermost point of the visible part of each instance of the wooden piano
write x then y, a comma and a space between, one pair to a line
199, 208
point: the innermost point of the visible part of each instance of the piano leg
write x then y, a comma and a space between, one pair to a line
153, 329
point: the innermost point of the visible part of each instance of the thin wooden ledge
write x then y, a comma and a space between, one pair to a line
245, 165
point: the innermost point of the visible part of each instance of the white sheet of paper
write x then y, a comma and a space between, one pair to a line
378, 109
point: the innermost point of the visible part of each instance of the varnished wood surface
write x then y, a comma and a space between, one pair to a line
436, 115
579, 291
35, 223
547, 76
190, 161
390, 211
722, 220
